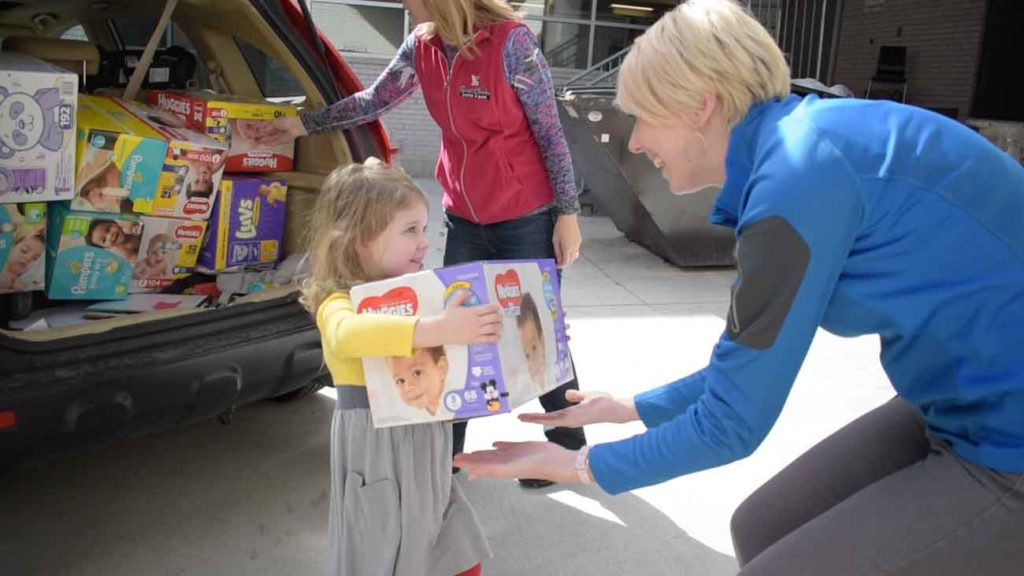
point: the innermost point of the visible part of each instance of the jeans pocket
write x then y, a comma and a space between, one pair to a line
371, 526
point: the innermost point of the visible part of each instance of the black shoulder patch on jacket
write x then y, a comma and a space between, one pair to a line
771, 259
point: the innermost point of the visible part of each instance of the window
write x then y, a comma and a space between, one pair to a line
274, 79
75, 33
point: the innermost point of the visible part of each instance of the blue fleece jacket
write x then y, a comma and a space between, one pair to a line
862, 217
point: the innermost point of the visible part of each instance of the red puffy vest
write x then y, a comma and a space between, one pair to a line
490, 166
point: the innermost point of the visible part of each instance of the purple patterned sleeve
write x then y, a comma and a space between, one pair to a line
527, 72
394, 85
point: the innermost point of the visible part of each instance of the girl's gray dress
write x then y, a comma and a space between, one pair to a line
395, 508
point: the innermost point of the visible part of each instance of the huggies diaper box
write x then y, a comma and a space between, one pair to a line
127, 150
247, 225
22, 247
457, 382
232, 120
37, 130
89, 255
168, 250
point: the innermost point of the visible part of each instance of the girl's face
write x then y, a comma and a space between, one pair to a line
400, 248
24, 254
418, 10
688, 160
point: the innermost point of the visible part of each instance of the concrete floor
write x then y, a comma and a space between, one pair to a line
250, 498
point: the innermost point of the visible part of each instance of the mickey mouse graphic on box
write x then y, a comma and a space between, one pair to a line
37, 130
457, 382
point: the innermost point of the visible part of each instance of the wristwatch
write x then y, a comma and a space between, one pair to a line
582, 466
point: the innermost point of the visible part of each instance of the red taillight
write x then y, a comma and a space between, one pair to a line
8, 419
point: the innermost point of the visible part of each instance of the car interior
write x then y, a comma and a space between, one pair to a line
223, 45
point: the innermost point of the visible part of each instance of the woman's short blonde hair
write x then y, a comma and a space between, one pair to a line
700, 48
355, 205
457, 21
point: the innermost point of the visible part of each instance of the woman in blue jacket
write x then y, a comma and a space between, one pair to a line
859, 217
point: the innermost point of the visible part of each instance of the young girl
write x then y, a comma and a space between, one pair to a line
395, 509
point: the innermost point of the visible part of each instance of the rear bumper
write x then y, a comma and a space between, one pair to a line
69, 394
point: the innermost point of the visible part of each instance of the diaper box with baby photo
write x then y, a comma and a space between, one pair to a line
457, 382
233, 120
120, 159
89, 255
192, 167
37, 130
247, 225
22, 247
168, 250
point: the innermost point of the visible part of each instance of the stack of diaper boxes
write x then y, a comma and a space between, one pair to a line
37, 162
101, 197
456, 382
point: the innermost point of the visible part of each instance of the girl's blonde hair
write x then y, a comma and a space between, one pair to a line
700, 48
355, 206
457, 21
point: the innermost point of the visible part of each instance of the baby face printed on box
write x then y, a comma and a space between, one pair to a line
456, 382
90, 255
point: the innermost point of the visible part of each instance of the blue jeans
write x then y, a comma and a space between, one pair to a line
526, 237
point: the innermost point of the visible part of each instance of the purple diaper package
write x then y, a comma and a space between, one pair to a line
246, 225
458, 382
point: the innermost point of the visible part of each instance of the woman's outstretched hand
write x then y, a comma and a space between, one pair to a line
587, 408
541, 460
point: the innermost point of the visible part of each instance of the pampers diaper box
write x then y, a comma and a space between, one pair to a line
37, 130
192, 167
89, 255
168, 251
235, 121
457, 382
120, 159
247, 226
22, 247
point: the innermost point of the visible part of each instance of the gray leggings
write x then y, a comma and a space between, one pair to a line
881, 496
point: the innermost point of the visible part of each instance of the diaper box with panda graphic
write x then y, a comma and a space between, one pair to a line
234, 120
22, 247
168, 251
90, 255
37, 130
458, 382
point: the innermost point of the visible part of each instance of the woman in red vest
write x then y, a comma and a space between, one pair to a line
509, 188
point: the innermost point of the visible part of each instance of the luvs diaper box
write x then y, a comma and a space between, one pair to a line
22, 247
168, 250
120, 159
89, 255
37, 130
247, 225
235, 121
456, 382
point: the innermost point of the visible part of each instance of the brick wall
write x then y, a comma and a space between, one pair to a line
410, 126
943, 40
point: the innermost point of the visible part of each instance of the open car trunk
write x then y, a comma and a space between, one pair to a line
61, 387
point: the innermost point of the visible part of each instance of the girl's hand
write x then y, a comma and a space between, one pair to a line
588, 408
542, 460
280, 131
459, 324
567, 240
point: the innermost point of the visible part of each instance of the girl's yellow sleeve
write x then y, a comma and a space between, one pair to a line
346, 334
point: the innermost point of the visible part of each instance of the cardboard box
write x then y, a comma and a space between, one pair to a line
120, 159
37, 130
89, 255
168, 251
22, 247
192, 167
456, 382
229, 119
247, 226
